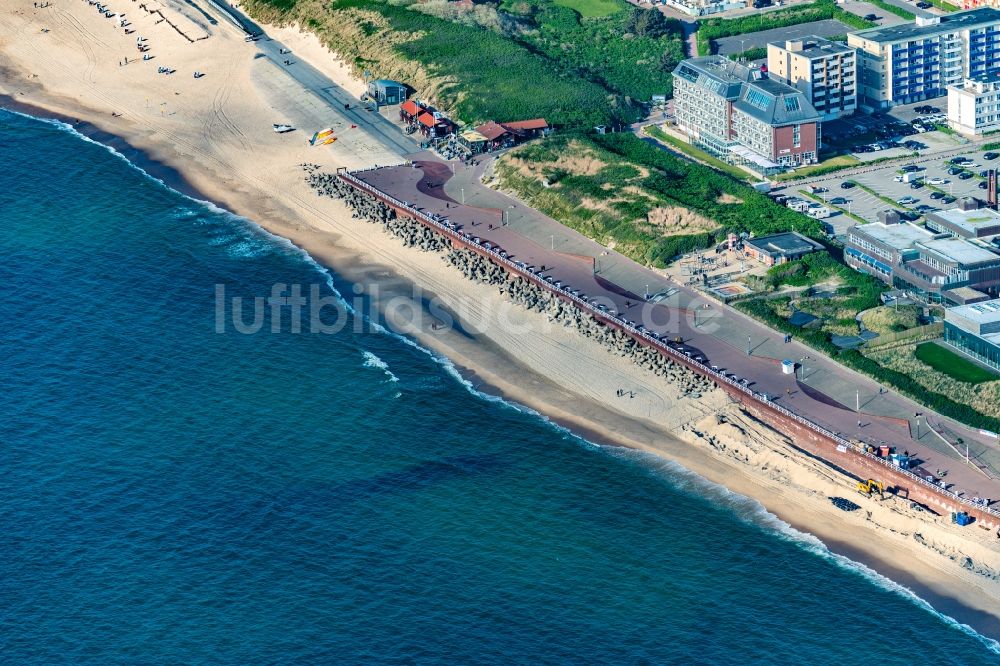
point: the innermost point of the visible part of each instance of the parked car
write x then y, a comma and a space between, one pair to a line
847, 184
937, 195
937, 181
916, 185
871, 17
965, 175
839, 201
906, 201
990, 156
948, 199
983, 185
924, 5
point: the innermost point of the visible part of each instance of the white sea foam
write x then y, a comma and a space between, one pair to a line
751, 511
373, 361
745, 508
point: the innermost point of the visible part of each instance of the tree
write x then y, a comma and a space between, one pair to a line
648, 23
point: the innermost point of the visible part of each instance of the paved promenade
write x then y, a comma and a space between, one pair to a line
820, 390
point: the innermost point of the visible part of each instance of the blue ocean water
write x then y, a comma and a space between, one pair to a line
170, 494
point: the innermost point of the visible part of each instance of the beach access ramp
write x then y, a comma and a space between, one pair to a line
237, 18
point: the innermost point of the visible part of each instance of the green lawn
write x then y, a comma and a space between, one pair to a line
592, 8
953, 365
826, 166
697, 153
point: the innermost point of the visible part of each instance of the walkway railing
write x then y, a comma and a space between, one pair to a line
655, 342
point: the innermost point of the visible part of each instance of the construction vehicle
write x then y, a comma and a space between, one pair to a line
872, 487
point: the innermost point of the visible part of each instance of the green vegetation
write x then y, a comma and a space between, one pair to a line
578, 65
750, 54
994, 145
646, 202
696, 153
893, 9
717, 28
944, 129
953, 365
630, 53
592, 8
944, 5
830, 165
903, 382
887, 320
884, 199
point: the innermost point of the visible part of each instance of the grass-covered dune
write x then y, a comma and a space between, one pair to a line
578, 63
647, 203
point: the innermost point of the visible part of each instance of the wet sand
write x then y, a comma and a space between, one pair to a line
211, 138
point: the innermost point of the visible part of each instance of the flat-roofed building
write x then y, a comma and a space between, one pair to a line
877, 249
704, 7
737, 113
975, 330
949, 263
825, 72
780, 248
916, 61
967, 221
974, 105
936, 267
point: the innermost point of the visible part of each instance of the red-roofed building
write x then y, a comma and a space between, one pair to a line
409, 110
504, 135
433, 125
532, 127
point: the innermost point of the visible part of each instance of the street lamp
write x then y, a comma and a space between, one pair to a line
748, 345
552, 242
463, 196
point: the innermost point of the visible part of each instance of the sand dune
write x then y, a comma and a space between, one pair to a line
216, 132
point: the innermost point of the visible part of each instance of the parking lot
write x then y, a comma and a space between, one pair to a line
873, 190
754, 40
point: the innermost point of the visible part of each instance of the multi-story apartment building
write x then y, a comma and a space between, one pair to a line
934, 267
974, 106
736, 112
917, 61
825, 72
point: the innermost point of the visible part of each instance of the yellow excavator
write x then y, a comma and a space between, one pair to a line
872, 487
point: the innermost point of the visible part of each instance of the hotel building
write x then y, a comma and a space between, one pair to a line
740, 114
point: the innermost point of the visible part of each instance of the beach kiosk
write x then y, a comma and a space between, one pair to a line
385, 92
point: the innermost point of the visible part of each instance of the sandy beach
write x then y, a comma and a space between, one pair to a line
211, 137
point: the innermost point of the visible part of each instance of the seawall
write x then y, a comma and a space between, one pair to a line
825, 445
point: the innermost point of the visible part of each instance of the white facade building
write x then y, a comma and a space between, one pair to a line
825, 71
974, 106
